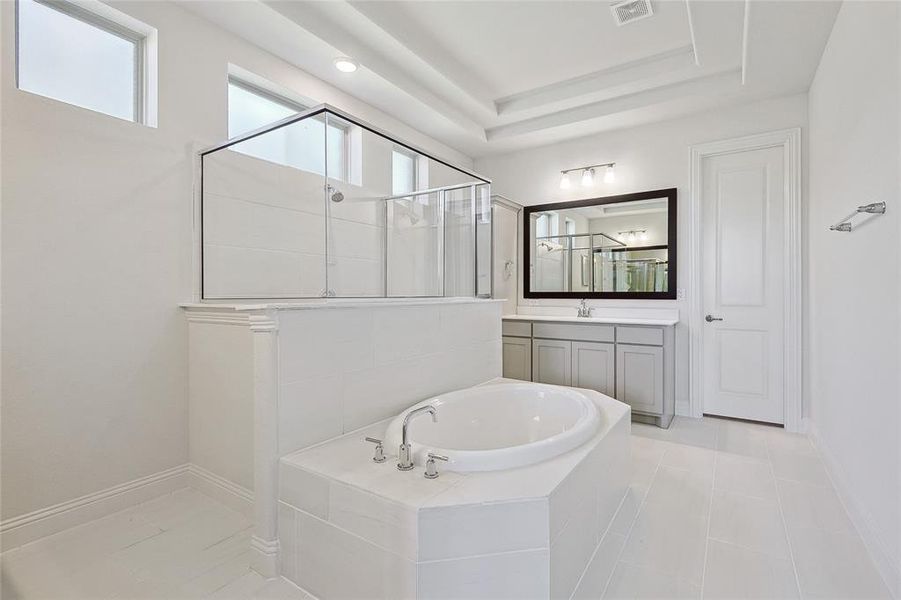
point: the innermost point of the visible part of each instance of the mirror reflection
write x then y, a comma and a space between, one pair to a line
608, 246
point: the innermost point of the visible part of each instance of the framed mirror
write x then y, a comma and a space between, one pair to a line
613, 247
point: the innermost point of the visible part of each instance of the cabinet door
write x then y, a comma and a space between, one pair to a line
639, 377
593, 366
518, 358
552, 361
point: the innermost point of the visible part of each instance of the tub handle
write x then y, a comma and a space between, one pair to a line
431, 470
379, 455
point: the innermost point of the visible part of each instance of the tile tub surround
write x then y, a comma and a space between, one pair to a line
267, 379
352, 528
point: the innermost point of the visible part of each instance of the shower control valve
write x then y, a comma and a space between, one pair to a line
379, 455
431, 471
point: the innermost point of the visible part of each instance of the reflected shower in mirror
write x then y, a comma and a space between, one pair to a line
614, 247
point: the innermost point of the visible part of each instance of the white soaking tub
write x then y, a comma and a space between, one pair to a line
494, 427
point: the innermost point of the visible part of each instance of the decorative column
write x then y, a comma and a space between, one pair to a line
264, 327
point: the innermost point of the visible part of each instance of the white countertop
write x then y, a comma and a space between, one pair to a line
608, 320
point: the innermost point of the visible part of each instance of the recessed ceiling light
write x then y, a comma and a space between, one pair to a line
345, 64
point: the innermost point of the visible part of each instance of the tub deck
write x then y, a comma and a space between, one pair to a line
528, 532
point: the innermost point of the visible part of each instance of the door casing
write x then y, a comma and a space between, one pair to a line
790, 141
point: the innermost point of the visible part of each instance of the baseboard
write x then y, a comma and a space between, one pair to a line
23, 529
225, 491
888, 567
26, 528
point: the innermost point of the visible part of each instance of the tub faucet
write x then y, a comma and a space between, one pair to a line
584, 309
404, 453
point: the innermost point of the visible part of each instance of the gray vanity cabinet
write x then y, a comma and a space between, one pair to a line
640, 376
517, 358
593, 366
552, 361
632, 363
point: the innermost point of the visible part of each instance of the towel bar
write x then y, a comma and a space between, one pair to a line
876, 208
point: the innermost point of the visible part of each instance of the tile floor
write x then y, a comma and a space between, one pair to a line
182, 545
725, 509
716, 509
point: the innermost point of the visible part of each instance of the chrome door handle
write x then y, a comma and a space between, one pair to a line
711, 318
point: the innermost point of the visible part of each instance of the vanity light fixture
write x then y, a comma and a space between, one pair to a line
346, 64
609, 174
587, 177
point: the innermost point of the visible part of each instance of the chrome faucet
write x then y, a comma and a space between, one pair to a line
404, 453
584, 309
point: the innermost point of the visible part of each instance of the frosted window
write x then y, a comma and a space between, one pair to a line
69, 59
301, 145
403, 172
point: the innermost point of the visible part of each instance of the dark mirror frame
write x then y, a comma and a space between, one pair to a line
670, 294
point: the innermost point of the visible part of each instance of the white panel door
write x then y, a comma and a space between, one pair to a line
743, 228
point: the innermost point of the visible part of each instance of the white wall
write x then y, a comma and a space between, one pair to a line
649, 157
96, 234
855, 394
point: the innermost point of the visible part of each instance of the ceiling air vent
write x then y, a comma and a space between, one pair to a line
631, 10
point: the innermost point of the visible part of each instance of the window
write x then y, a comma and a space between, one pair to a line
71, 54
403, 171
298, 145
570, 226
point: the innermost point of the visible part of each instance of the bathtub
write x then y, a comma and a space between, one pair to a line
494, 427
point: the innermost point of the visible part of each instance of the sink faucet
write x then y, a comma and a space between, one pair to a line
584, 309
404, 453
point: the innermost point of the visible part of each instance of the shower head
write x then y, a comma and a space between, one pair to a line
337, 196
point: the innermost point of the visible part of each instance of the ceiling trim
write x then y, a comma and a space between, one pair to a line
645, 68
691, 33
716, 82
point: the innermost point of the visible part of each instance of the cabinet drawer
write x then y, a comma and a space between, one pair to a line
648, 336
572, 331
516, 328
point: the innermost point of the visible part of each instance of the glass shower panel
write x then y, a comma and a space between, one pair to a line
356, 208
415, 245
321, 205
459, 242
263, 215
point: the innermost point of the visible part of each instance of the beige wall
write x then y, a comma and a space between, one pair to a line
96, 255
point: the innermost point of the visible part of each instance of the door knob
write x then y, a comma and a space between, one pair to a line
711, 318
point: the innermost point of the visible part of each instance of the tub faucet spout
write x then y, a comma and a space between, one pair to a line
405, 453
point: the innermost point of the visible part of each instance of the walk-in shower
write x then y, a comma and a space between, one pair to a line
320, 204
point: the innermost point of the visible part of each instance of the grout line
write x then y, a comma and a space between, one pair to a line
716, 454
634, 520
791, 550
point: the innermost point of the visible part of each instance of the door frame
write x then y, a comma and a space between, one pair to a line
790, 142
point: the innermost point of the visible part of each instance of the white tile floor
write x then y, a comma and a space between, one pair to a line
717, 508
725, 509
183, 545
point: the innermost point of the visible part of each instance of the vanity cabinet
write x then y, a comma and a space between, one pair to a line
552, 362
594, 367
639, 377
632, 363
517, 358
